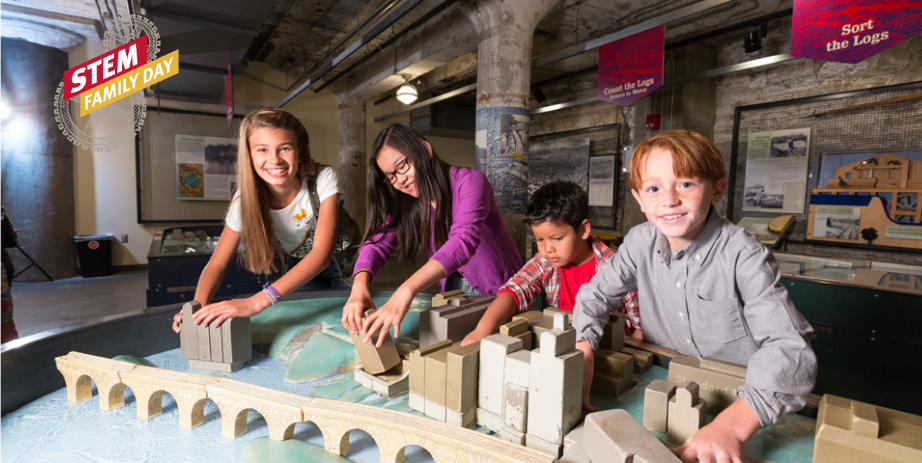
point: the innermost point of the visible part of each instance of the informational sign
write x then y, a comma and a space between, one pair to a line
632, 67
776, 171
850, 31
229, 96
205, 167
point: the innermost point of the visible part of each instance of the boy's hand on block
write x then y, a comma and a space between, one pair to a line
588, 369
475, 336
722, 440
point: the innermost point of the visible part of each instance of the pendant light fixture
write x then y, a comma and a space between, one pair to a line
407, 93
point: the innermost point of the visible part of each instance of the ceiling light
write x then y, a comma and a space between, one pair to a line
752, 42
407, 93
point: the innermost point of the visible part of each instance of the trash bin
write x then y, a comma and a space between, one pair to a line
95, 255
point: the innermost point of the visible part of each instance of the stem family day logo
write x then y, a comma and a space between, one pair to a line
128, 66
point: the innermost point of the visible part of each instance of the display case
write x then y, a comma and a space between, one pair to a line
867, 317
176, 259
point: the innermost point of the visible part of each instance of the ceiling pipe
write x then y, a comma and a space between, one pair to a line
367, 37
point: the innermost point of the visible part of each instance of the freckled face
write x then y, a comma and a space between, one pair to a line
275, 156
388, 161
559, 243
678, 206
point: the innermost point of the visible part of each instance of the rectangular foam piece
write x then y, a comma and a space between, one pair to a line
203, 333
463, 419
452, 322
558, 342
216, 337
517, 368
612, 387
376, 359
418, 366
643, 360
461, 380
573, 450
393, 382
515, 407
535, 442
442, 298
493, 351
655, 404
717, 381
526, 338
236, 340
848, 431
613, 333
514, 328
417, 402
434, 410
363, 377
615, 436
614, 373
686, 413
555, 394
511, 435
437, 374
188, 335
488, 419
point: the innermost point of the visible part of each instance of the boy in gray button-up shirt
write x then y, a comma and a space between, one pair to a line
709, 290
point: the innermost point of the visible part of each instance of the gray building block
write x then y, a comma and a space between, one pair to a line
463, 368
643, 360
217, 348
203, 333
515, 407
613, 374
215, 366
493, 351
526, 338
718, 381
558, 342
488, 419
517, 368
442, 298
452, 322
237, 342
511, 435
656, 404
555, 394
434, 410
573, 450
686, 413
463, 419
561, 320
535, 442
418, 367
376, 359
188, 336
615, 436
417, 402
437, 374
176, 234
393, 382
613, 333
363, 377
514, 328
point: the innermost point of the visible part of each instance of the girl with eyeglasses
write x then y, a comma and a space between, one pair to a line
418, 204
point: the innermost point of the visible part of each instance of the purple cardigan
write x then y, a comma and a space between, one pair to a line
478, 246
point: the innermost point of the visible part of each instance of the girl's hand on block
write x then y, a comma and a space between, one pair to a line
220, 311
391, 313
359, 301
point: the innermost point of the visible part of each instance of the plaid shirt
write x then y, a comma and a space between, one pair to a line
539, 276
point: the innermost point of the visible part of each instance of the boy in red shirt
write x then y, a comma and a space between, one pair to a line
568, 257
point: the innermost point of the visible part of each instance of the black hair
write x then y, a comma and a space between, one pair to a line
409, 217
558, 201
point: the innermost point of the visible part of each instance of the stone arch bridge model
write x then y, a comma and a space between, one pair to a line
392, 431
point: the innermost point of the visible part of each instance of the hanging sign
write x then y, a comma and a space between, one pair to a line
632, 67
229, 97
850, 31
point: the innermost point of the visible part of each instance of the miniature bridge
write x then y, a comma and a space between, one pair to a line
392, 431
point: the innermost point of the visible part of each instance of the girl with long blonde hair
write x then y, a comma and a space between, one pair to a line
272, 215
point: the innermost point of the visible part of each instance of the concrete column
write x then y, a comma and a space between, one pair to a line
38, 161
506, 29
352, 160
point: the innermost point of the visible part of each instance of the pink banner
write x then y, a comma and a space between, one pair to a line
229, 97
850, 31
632, 67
